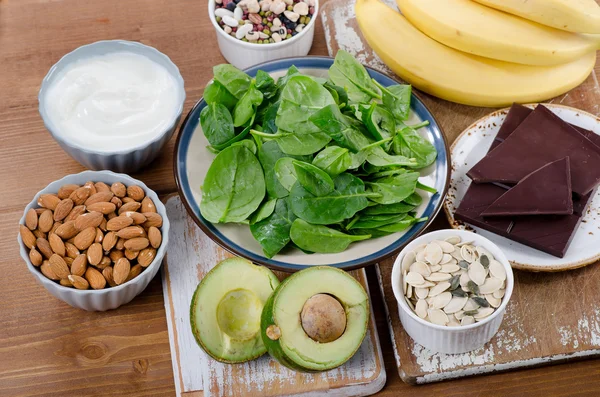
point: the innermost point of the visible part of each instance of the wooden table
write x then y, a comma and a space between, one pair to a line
48, 348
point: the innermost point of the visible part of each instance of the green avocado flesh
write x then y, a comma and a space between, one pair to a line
226, 309
294, 348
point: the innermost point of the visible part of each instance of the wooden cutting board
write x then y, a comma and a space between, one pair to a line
550, 318
191, 254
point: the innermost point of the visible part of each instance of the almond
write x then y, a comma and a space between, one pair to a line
118, 223
152, 219
131, 206
154, 236
134, 272
59, 266
47, 271
138, 218
95, 278
131, 255
56, 244
137, 244
55, 226
45, 221
103, 225
79, 195
117, 202
35, 257
104, 263
115, 255
111, 215
72, 251
44, 247
68, 261
79, 282
66, 190
39, 211
146, 256
65, 282
94, 254
63, 209
101, 187
121, 271
120, 244
75, 212
31, 219
127, 200
91, 219
107, 272
102, 207
79, 265
99, 198
131, 232
99, 236
67, 230
49, 201
148, 205
39, 234
27, 236
85, 238
135, 192
90, 185
118, 189
110, 239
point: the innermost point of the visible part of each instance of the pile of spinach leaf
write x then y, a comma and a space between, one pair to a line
312, 163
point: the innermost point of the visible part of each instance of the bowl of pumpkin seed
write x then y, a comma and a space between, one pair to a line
452, 289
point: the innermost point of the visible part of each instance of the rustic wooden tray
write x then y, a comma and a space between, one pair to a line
550, 318
190, 255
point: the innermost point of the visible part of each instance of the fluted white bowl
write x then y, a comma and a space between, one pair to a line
110, 297
243, 54
442, 339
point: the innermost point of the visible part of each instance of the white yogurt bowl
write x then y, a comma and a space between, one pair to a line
132, 157
444, 339
243, 54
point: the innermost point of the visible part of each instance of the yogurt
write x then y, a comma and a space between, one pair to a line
112, 102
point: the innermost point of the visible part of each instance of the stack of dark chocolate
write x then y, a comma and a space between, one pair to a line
534, 184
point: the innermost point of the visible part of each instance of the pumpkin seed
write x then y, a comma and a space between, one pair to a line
409, 303
471, 312
459, 314
446, 258
449, 268
472, 287
497, 270
453, 240
433, 253
459, 292
420, 256
421, 308
482, 302
483, 313
446, 246
468, 253
494, 302
484, 260
421, 293
437, 316
467, 320
439, 277
491, 284
439, 288
454, 283
421, 268
464, 280
435, 268
408, 260
477, 273
440, 301
455, 304
414, 278
499, 294
409, 291
464, 243
463, 264
453, 323
427, 284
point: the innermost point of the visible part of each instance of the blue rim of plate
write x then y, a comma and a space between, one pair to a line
314, 62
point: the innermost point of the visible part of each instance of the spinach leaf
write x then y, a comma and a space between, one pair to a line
379, 122
408, 142
347, 199
216, 93
316, 238
269, 154
305, 144
273, 233
246, 107
234, 186
339, 93
285, 172
414, 199
301, 97
347, 72
264, 211
389, 209
341, 128
333, 160
394, 189
217, 124
378, 157
234, 80
249, 144
283, 80
357, 159
265, 84
268, 120
375, 221
386, 230
230, 142
396, 98
313, 179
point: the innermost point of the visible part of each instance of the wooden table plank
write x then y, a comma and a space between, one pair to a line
48, 348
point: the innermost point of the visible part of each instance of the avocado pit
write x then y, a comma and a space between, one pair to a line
323, 318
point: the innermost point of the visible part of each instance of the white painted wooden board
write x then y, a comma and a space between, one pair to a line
190, 255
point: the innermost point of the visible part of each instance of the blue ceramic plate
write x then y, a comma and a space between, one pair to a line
192, 160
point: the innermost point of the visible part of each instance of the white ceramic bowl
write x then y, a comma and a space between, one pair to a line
108, 298
443, 339
119, 160
242, 54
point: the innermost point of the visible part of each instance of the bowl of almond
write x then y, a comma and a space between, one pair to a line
95, 239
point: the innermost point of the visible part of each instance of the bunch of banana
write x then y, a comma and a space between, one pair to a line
466, 52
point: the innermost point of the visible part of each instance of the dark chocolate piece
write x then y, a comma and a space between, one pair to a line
516, 115
546, 191
541, 138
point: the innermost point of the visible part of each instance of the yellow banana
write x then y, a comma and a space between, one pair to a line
582, 16
471, 27
455, 75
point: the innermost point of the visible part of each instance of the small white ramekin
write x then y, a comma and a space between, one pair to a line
243, 55
108, 298
119, 160
443, 339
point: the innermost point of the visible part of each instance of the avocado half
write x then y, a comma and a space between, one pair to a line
316, 319
226, 310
